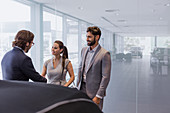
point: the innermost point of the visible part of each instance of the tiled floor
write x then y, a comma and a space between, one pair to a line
134, 88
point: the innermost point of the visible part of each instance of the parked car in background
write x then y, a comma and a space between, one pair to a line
136, 51
128, 57
159, 57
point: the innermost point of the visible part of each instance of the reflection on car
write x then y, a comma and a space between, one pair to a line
159, 57
136, 51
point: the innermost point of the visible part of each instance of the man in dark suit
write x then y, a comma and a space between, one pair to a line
16, 65
95, 67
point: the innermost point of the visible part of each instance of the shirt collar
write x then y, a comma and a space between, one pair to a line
93, 50
19, 48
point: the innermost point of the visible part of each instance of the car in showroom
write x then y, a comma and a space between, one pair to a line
160, 57
136, 51
36, 97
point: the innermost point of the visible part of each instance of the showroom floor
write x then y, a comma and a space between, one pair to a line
134, 88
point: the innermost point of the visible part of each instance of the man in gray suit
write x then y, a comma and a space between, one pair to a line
94, 68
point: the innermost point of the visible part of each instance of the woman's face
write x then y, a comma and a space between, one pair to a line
56, 49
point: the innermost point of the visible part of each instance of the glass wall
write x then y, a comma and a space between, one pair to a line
53, 26
72, 42
163, 42
84, 27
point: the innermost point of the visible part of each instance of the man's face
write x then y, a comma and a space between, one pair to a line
90, 39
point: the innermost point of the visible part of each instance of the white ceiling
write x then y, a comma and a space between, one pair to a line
126, 17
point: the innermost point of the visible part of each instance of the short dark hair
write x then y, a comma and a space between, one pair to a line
94, 30
22, 38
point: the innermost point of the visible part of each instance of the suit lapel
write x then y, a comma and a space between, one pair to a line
94, 57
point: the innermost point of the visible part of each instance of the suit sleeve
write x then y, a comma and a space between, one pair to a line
106, 69
29, 70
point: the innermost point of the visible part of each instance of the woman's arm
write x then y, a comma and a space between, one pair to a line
71, 73
44, 71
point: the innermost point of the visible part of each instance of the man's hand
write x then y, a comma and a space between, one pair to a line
96, 100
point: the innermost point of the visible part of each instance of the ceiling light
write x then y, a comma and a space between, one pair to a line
167, 5
112, 10
121, 21
153, 10
80, 8
160, 18
117, 14
105, 19
126, 26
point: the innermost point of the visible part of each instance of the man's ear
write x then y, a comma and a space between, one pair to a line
27, 44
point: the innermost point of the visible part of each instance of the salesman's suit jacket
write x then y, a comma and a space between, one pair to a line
98, 74
18, 66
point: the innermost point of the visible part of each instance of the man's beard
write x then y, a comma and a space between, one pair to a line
92, 43
27, 49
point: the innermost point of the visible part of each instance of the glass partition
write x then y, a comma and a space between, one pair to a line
53, 26
72, 42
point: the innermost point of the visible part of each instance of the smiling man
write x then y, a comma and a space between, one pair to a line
94, 68
16, 65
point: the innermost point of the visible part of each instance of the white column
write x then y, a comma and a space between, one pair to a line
79, 40
37, 28
65, 29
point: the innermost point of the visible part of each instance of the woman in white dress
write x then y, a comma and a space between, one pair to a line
55, 69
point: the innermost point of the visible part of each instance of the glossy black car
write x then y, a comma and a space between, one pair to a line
34, 97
